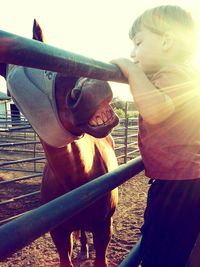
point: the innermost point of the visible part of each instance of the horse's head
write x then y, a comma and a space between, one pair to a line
86, 107
83, 104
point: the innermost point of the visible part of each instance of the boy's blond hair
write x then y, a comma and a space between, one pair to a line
170, 18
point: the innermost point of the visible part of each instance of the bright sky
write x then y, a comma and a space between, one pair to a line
93, 28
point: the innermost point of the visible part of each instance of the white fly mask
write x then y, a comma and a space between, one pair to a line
33, 92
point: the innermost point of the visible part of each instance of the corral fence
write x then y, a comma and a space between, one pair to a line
15, 234
22, 158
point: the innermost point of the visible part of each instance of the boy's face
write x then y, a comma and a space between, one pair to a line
148, 51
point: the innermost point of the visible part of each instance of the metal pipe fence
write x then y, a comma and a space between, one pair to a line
123, 136
11, 147
26, 52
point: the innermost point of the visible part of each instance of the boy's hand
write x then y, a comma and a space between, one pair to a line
126, 66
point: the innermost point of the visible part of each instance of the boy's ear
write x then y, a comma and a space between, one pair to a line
168, 40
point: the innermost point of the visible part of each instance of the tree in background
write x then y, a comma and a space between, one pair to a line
124, 108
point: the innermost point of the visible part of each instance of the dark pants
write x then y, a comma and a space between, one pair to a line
171, 223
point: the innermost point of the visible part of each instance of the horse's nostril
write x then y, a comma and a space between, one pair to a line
75, 93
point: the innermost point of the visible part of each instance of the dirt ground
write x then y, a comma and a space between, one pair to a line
128, 219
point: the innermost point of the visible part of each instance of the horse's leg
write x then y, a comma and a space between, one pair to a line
64, 243
84, 246
101, 236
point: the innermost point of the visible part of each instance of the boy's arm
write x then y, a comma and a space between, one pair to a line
153, 105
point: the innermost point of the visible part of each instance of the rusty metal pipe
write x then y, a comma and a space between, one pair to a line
22, 51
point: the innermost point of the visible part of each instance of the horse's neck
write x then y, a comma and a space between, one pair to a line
81, 161
73, 162
62, 157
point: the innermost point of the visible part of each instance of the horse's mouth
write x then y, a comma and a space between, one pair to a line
103, 116
102, 122
91, 109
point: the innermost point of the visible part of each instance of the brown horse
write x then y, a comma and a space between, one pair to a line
84, 111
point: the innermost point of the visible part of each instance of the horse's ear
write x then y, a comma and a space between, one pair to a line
37, 32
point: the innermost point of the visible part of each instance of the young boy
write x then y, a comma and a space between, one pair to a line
166, 90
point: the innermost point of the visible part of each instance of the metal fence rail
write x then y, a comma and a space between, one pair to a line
19, 197
23, 178
22, 51
84, 195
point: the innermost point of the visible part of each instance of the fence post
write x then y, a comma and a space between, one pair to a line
34, 152
126, 132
